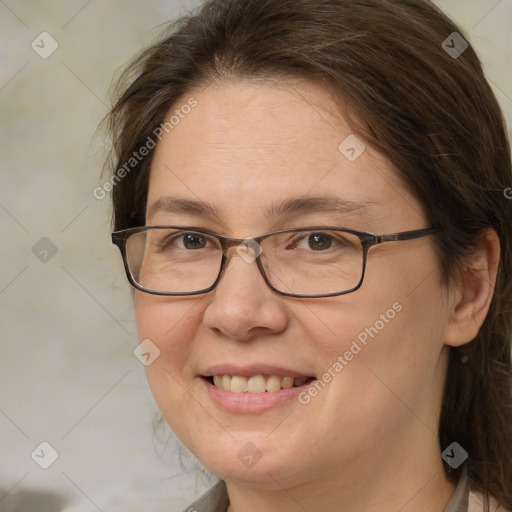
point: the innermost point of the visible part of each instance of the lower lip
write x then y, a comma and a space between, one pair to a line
251, 402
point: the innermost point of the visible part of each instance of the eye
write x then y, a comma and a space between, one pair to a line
315, 242
190, 241
319, 241
171, 241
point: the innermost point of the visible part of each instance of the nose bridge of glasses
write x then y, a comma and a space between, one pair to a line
248, 248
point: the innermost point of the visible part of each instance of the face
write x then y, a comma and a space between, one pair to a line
377, 354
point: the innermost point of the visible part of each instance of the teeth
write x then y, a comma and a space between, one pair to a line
256, 383
225, 383
273, 383
287, 382
238, 384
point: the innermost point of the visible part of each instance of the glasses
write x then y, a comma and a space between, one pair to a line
302, 262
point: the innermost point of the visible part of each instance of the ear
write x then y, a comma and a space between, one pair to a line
472, 296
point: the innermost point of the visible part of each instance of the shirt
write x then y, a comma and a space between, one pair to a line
463, 499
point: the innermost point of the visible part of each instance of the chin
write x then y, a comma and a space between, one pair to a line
244, 461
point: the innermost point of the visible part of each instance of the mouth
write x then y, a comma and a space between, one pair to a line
253, 388
256, 384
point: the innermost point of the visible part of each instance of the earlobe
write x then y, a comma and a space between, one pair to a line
470, 302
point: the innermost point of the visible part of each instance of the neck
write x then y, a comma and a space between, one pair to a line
391, 482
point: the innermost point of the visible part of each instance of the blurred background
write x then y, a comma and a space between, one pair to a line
73, 397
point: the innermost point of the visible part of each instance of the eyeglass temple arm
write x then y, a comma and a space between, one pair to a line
405, 235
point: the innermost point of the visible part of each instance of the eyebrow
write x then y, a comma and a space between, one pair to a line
312, 204
277, 209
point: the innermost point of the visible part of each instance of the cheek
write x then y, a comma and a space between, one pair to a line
375, 374
383, 349
170, 325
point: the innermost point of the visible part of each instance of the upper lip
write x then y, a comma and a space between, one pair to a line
252, 369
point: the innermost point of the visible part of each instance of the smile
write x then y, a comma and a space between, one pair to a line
256, 383
254, 393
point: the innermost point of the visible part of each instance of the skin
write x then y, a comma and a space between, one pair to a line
367, 441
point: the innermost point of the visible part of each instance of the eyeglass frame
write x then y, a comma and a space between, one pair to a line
368, 240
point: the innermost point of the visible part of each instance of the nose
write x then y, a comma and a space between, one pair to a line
243, 306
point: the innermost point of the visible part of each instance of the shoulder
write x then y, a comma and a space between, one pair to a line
214, 500
476, 503
467, 499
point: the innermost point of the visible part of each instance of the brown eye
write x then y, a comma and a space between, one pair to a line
193, 241
319, 241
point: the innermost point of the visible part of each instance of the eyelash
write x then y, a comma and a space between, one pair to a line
295, 240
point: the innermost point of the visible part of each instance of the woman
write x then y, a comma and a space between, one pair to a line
309, 199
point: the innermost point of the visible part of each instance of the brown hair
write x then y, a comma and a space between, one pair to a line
432, 115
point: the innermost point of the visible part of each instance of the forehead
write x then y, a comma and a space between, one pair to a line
246, 147
250, 119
